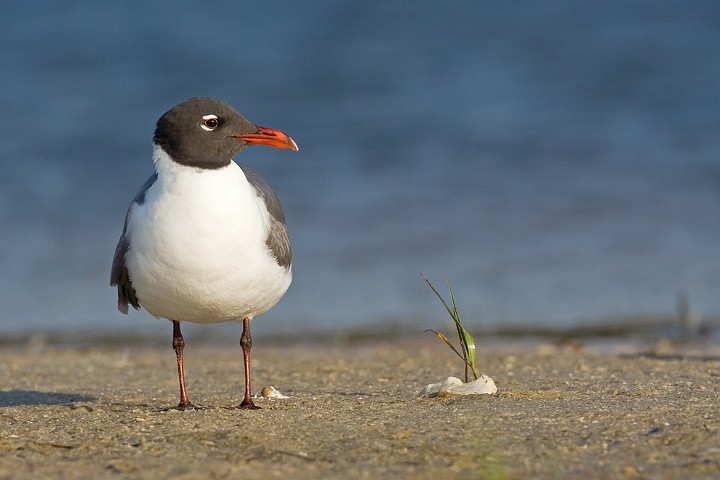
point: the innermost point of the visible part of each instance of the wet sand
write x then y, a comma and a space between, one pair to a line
568, 411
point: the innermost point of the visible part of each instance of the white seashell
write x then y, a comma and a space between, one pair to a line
433, 389
482, 386
452, 386
271, 392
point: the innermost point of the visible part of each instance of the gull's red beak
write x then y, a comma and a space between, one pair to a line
269, 137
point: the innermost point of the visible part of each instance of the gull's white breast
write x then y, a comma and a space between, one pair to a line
197, 248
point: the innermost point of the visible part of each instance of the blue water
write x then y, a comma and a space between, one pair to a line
560, 164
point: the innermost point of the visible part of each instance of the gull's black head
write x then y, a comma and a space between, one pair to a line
207, 133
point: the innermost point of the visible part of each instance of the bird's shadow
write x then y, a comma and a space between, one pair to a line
14, 398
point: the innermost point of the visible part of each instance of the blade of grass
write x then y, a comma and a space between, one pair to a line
467, 342
447, 341
438, 295
452, 314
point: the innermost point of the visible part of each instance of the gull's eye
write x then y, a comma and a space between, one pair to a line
210, 122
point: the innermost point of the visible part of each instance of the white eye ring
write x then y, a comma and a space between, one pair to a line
210, 123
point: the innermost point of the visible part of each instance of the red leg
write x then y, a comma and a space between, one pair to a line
246, 344
179, 346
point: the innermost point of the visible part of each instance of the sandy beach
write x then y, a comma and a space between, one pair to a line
562, 411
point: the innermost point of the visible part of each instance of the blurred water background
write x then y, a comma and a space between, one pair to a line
558, 161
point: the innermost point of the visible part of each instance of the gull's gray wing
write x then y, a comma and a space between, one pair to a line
119, 274
277, 240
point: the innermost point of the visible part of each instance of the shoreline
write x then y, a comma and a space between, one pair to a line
634, 329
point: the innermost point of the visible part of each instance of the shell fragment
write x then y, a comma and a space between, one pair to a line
453, 386
271, 392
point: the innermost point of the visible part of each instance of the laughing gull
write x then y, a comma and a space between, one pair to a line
204, 240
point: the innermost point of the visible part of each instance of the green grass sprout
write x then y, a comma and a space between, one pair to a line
467, 343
